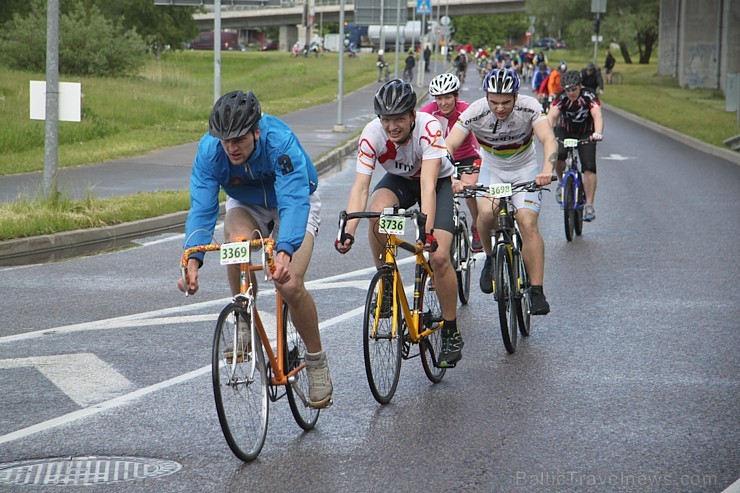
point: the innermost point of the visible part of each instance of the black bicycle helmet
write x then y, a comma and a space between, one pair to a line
571, 78
501, 81
394, 97
234, 115
542, 66
590, 66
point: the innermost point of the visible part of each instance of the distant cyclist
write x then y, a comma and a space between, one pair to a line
270, 182
576, 114
592, 78
505, 122
538, 79
447, 107
553, 84
461, 65
410, 148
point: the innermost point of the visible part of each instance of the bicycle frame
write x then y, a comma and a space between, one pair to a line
412, 315
571, 169
246, 298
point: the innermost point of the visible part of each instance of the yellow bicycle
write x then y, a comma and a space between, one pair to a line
391, 325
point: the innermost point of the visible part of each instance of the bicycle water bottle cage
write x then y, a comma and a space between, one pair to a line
505, 221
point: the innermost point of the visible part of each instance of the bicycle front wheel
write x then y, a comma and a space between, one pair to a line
580, 202
569, 207
462, 257
381, 347
240, 383
297, 388
506, 296
524, 316
431, 318
617, 78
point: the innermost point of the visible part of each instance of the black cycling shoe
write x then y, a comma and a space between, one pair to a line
486, 276
451, 352
538, 303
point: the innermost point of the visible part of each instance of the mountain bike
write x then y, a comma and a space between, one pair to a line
461, 250
391, 325
247, 373
573, 195
511, 283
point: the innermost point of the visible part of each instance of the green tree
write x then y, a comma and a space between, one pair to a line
633, 24
89, 44
161, 26
490, 30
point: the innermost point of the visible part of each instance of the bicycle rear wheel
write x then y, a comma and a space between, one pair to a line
431, 316
524, 316
617, 78
569, 211
297, 388
382, 348
506, 296
580, 203
462, 256
240, 384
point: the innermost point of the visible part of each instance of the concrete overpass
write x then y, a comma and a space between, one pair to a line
328, 11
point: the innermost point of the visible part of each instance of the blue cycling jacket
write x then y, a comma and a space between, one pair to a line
279, 174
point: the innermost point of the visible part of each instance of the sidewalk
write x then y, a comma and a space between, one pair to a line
169, 169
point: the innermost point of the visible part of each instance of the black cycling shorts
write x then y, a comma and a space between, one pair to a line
408, 193
586, 152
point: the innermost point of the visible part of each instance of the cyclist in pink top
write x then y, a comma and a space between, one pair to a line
446, 107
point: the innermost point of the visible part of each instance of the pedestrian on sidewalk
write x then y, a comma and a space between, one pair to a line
271, 187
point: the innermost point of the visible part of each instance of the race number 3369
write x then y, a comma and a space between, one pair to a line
234, 253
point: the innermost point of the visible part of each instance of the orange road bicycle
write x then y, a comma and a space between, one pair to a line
391, 325
247, 372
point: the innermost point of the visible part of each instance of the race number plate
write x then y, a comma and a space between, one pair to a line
500, 190
570, 143
234, 253
392, 225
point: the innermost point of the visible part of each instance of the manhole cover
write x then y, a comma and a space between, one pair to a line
63, 471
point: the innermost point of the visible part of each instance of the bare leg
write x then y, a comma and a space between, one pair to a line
589, 182
533, 248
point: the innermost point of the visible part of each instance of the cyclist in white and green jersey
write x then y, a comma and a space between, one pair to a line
504, 123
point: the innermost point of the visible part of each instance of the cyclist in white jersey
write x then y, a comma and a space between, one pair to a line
504, 123
411, 149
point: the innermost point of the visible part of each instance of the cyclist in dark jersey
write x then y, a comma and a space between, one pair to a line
576, 114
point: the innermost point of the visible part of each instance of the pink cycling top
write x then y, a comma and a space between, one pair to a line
469, 147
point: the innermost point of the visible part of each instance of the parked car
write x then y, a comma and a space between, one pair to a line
269, 46
204, 41
549, 44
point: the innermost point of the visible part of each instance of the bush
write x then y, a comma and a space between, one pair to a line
89, 43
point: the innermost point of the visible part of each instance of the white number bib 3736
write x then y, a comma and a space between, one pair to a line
392, 225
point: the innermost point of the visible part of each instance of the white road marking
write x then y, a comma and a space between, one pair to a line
83, 377
137, 394
616, 157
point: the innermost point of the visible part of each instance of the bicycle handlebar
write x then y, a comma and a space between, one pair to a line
420, 220
268, 258
525, 186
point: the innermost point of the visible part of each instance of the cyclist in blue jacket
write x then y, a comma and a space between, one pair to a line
271, 185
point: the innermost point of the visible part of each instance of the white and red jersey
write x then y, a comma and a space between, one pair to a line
426, 142
469, 147
508, 143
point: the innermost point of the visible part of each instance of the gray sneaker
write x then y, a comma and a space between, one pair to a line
243, 342
320, 387
589, 214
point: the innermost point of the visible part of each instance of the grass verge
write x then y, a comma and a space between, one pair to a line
169, 102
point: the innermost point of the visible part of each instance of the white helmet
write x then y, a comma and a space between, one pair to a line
380, 52
444, 84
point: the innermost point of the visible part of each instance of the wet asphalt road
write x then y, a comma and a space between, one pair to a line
631, 383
